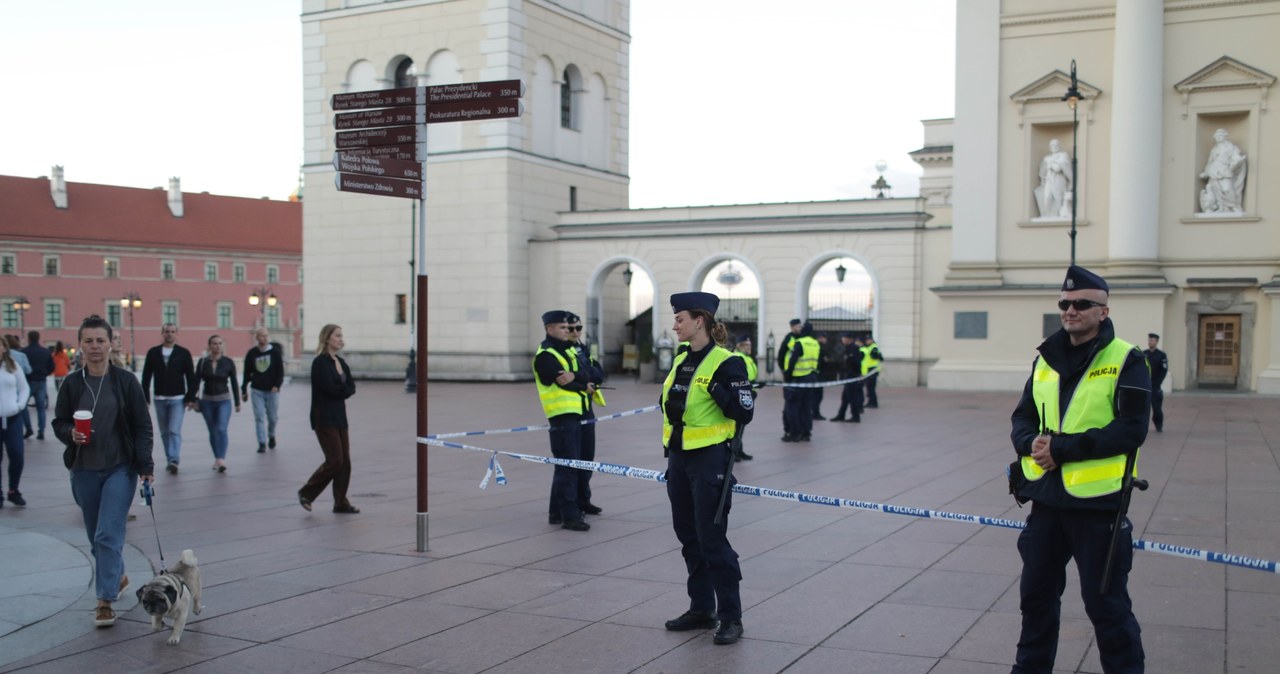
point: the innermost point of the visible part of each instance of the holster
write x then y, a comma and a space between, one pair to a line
1017, 480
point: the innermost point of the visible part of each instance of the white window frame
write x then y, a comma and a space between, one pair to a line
211, 266
112, 309
273, 273
8, 315
61, 312
165, 307
173, 270
108, 265
238, 272
57, 262
11, 261
230, 308
273, 317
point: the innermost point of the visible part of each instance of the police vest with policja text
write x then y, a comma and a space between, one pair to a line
1092, 405
704, 423
556, 400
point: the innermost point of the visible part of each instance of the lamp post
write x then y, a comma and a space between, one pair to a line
21, 305
840, 272
263, 298
881, 184
1072, 97
131, 301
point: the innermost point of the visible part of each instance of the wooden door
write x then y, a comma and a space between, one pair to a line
1219, 358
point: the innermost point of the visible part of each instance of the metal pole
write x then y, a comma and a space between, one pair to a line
421, 329
411, 372
1075, 125
133, 344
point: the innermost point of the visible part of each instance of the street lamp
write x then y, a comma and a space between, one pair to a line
627, 274
840, 271
256, 300
1072, 97
132, 301
21, 305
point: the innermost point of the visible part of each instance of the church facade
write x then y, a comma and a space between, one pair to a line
531, 213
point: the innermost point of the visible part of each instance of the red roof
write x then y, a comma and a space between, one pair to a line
109, 215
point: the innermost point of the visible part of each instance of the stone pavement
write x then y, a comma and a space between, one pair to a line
499, 590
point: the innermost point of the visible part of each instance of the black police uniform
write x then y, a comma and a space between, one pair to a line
851, 397
595, 375
565, 434
873, 401
695, 479
797, 401
1062, 526
788, 342
1159, 362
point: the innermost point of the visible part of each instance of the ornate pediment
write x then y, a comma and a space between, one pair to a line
1225, 74
1050, 88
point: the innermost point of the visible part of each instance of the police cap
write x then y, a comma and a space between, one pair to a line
1079, 278
744, 337
796, 321
555, 316
1153, 335
694, 300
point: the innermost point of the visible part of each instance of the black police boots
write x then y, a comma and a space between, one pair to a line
693, 620
728, 633
591, 509
575, 525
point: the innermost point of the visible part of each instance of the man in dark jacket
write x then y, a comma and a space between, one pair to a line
174, 372
41, 367
1159, 362
563, 389
264, 375
1095, 393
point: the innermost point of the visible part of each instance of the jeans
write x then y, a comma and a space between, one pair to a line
265, 415
41, 394
104, 497
217, 414
169, 418
11, 438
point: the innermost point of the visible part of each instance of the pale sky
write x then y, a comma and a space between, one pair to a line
732, 101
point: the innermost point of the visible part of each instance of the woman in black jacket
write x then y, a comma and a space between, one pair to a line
331, 385
105, 463
216, 375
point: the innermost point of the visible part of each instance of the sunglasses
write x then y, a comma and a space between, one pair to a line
1080, 305
574, 328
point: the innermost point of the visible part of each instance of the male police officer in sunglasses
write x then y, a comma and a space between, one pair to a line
1095, 391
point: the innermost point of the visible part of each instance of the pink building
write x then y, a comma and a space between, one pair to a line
73, 249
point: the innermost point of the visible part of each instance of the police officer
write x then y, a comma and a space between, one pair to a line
800, 367
851, 397
706, 399
871, 359
784, 351
595, 377
1095, 391
743, 350
1159, 362
563, 390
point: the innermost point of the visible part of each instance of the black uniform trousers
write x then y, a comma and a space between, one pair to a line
566, 443
1052, 537
1157, 406
797, 405
587, 452
695, 479
872, 400
851, 399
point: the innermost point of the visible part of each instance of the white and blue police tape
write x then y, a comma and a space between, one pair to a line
835, 502
818, 384
494, 470
526, 429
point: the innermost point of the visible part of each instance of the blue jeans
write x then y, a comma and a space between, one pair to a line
41, 394
11, 438
169, 415
104, 497
217, 414
265, 414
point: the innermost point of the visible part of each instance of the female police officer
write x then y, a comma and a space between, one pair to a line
706, 399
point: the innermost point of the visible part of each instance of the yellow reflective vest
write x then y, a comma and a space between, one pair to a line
752, 368
868, 363
1092, 405
808, 361
704, 422
556, 400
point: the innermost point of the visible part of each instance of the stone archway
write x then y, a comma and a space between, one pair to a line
608, 308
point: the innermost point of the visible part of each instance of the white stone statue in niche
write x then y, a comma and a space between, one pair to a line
1053, 196
1224, 175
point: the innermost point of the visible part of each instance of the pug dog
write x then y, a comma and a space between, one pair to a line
174, 594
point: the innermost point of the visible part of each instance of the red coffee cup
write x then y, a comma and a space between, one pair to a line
84, 422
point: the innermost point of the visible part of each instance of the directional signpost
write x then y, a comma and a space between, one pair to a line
381, 143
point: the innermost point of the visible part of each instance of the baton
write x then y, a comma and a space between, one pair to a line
734, 446
1127, 483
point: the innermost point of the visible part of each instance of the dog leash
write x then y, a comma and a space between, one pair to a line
147, 493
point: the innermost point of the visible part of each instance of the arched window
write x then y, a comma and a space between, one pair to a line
570, 92
405, 74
